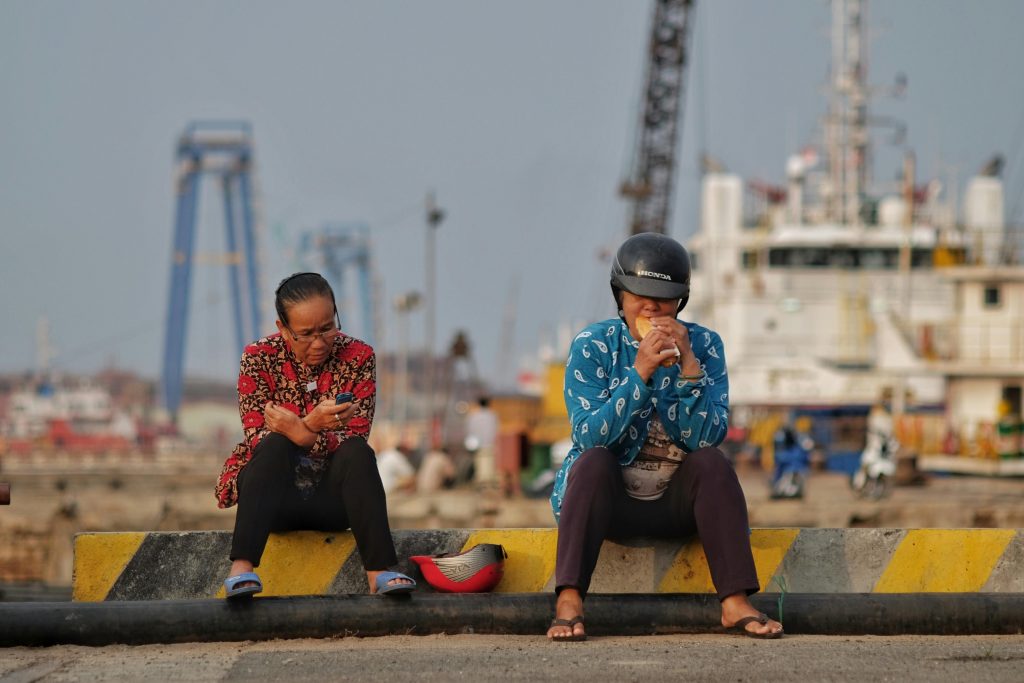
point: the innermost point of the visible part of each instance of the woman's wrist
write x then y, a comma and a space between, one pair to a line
304, 436
644, 372
308, 426
690, 370
690, 366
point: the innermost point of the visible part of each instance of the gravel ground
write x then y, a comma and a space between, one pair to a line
531, 658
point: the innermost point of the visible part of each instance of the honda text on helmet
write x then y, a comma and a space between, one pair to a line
652, 265
476, 570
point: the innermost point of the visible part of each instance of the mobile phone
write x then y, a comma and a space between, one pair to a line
345, 397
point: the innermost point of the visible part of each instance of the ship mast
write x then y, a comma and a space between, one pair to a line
44, 348
847, 120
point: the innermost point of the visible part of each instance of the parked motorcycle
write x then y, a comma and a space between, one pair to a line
873, 479
792, 463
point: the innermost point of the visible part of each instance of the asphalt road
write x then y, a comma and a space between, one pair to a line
397, 659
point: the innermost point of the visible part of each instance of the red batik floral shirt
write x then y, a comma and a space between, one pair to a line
270, 372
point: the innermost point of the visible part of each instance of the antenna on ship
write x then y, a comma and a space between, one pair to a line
848, 141
44, 347
846, 127
45, 354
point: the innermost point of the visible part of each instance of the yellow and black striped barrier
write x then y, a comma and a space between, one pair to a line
193, 565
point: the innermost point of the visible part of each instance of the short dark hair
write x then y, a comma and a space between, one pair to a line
300, 287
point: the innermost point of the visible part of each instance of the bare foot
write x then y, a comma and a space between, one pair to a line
242, 567
737, 606
568, 606
371, 578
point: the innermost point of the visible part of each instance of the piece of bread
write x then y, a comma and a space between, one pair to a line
643, 326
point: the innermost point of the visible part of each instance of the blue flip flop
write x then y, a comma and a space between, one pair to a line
233, 590
396, 589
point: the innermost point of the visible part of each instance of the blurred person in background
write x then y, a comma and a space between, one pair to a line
396, 472
305, 462
874, 475
482, 440
436, 472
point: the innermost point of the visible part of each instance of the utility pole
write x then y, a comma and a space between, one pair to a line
404, 304
434, 217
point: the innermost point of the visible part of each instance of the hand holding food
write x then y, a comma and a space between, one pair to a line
643, 327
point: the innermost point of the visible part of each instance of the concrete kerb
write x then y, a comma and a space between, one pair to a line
193, 565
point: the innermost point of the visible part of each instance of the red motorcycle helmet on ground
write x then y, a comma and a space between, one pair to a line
476, 570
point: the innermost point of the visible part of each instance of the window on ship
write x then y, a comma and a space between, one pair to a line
991, 296
869, 258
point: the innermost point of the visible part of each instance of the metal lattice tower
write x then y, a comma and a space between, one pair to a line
650, 184
847, 122
222, 149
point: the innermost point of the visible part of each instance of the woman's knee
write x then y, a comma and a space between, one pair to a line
594, 467
274, 442
355, 457
710, 463
271, 454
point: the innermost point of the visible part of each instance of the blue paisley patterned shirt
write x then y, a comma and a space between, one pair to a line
610, 405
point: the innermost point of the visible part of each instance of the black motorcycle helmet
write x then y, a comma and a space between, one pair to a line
654, 265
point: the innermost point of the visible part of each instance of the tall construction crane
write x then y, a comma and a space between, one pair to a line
222, 149
333, 249
649, 186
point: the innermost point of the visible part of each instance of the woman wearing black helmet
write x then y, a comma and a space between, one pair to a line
647, 396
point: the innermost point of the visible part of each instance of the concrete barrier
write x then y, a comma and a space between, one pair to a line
193, 565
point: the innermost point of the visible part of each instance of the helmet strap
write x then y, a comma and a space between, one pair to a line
617, 293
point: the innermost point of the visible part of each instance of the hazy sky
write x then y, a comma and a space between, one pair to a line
519, 115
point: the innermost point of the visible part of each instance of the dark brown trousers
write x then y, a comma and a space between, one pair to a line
704, 498
350, 495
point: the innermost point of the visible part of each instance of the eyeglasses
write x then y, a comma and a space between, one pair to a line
326, 333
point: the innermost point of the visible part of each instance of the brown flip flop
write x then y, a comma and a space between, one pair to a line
573, 637
739, 628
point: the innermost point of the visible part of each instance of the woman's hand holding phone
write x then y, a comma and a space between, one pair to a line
331, 413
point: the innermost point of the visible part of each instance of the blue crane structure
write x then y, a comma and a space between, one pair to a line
334, 248
222, 149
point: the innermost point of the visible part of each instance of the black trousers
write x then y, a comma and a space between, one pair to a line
350, 495
704, 498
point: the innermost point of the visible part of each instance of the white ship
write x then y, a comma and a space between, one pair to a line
831, 293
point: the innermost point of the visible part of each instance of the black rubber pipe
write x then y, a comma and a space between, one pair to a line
178, 621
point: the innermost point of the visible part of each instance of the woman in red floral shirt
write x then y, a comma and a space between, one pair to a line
305, 463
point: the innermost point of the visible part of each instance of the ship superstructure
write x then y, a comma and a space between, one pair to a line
834, 294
